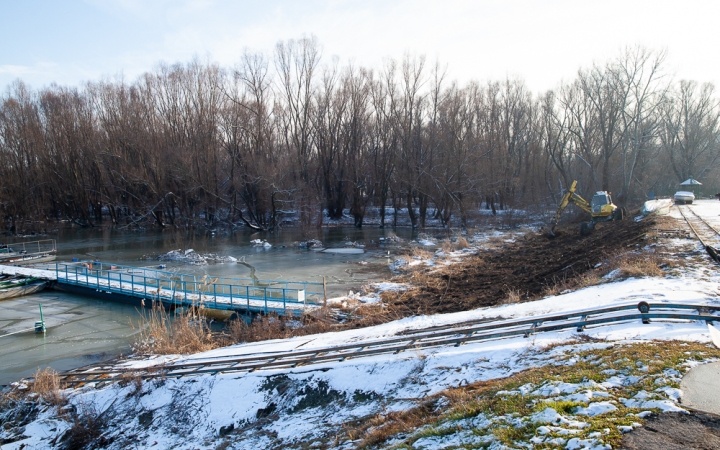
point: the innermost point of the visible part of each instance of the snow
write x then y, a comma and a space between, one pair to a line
587, 444
454, 440
260, 243
28, 272
673, 394
549, 415
198, 407
660, 206
595, 409
190, 256
644, 403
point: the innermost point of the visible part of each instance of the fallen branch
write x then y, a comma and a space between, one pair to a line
151, 212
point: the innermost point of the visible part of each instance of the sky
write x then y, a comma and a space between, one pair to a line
544, 42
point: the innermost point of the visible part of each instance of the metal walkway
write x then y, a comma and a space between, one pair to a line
181, 290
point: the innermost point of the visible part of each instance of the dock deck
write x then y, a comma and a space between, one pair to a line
170, 288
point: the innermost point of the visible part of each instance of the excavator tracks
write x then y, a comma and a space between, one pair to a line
449, 335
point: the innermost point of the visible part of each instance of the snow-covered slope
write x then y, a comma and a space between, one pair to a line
295, 407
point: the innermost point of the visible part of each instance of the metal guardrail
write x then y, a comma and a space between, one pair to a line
32, 247
452, 334
20, 253
187, 290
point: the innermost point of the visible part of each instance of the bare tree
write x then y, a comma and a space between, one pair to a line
641, 72
691, 130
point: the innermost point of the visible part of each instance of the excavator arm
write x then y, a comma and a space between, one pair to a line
570, 196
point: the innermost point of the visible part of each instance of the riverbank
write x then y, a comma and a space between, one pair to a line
569, 388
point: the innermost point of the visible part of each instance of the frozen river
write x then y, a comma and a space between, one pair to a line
84, 330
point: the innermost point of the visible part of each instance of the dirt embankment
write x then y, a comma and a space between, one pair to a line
527, 269
533, 266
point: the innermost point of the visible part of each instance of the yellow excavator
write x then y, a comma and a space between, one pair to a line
601, 209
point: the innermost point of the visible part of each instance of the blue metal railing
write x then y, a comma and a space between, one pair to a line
173, 288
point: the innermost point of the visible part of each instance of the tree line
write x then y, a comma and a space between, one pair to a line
196, 144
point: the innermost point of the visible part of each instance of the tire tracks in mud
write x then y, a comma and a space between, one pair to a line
527, 267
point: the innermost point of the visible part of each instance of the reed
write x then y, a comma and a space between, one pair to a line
46, 384
163, 334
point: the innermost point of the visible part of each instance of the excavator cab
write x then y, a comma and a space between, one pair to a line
602, 205
599, 199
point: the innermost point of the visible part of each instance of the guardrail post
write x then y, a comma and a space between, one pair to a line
230, 295
185, 290
284, 306
215, 295
132, 282
97, 279
265, 298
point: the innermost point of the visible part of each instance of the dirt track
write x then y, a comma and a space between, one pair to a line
671, 431
528, 267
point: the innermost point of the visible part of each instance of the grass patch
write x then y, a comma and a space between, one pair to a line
452, 245
510, 410
634, 265
561, 406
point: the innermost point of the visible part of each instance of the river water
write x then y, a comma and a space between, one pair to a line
84, 330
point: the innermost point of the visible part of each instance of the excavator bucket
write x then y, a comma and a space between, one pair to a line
550, 229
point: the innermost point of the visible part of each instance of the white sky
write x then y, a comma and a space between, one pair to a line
541, 41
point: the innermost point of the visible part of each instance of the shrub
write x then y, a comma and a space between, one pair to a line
163, 334
46, 384
86, 429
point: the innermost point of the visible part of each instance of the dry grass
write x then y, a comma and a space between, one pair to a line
423, 277
418, 252
163, 334
590, 278
639, 265
553, 289
495, 242
133, 378
46, 384
623, 265
378, 429
513, 296
262, 328
273, 326
459, 243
